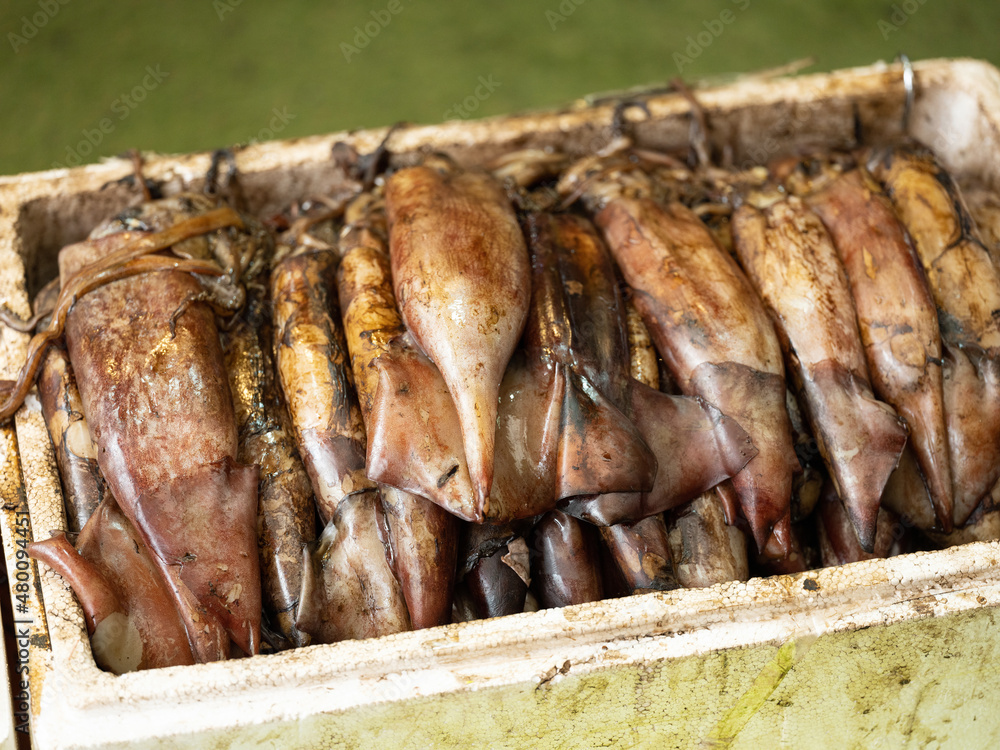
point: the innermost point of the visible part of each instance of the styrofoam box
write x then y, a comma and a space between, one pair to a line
888, 653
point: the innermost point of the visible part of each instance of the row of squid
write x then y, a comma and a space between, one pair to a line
456, 393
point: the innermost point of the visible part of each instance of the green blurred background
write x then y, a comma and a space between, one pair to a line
80, 80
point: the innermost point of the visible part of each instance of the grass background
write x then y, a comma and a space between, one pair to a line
231, 63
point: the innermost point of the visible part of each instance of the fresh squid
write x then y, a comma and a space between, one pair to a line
791, 260
715, 337
286, 520
495, 565
462, 281
83, 485
412, 423
566, 566
896, 317
128, 606
838, 543
965, 285
194, 505
705, 549
349, 587
666, 449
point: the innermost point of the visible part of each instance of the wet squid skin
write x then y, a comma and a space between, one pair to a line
400, 391
598, 343
286, 515
566, 566
149, 365
462, 280
962, 278
641, 553
313, 367
349, 586
641, 550
551, 424
495, 567
704, 548
715, 337
666, 449
83, 485
576, 328
790, 258
692, 446
896, 316
906, 494
129, 609
414, 432
965, 285
838, 543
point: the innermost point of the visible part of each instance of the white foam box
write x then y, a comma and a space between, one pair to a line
889, 653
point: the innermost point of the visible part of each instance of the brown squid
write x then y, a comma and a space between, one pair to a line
82, 482
566, 565
838, 543
349, 587
414, 438
286, 519
715, 337
128, 606
791, 259
462, 281
965, 285
666, 449
146, 352
896, 317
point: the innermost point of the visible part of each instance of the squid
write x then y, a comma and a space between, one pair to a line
144, 345
76, 455
599, 449
715, 338
791, 260
965, 285
907, 496
566, 566
641, 554
349, 586
705, 549
641, 550
495, 568
666, 449
838, 543
414, 437
462, 280
129, 608
286, 519
896, 316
